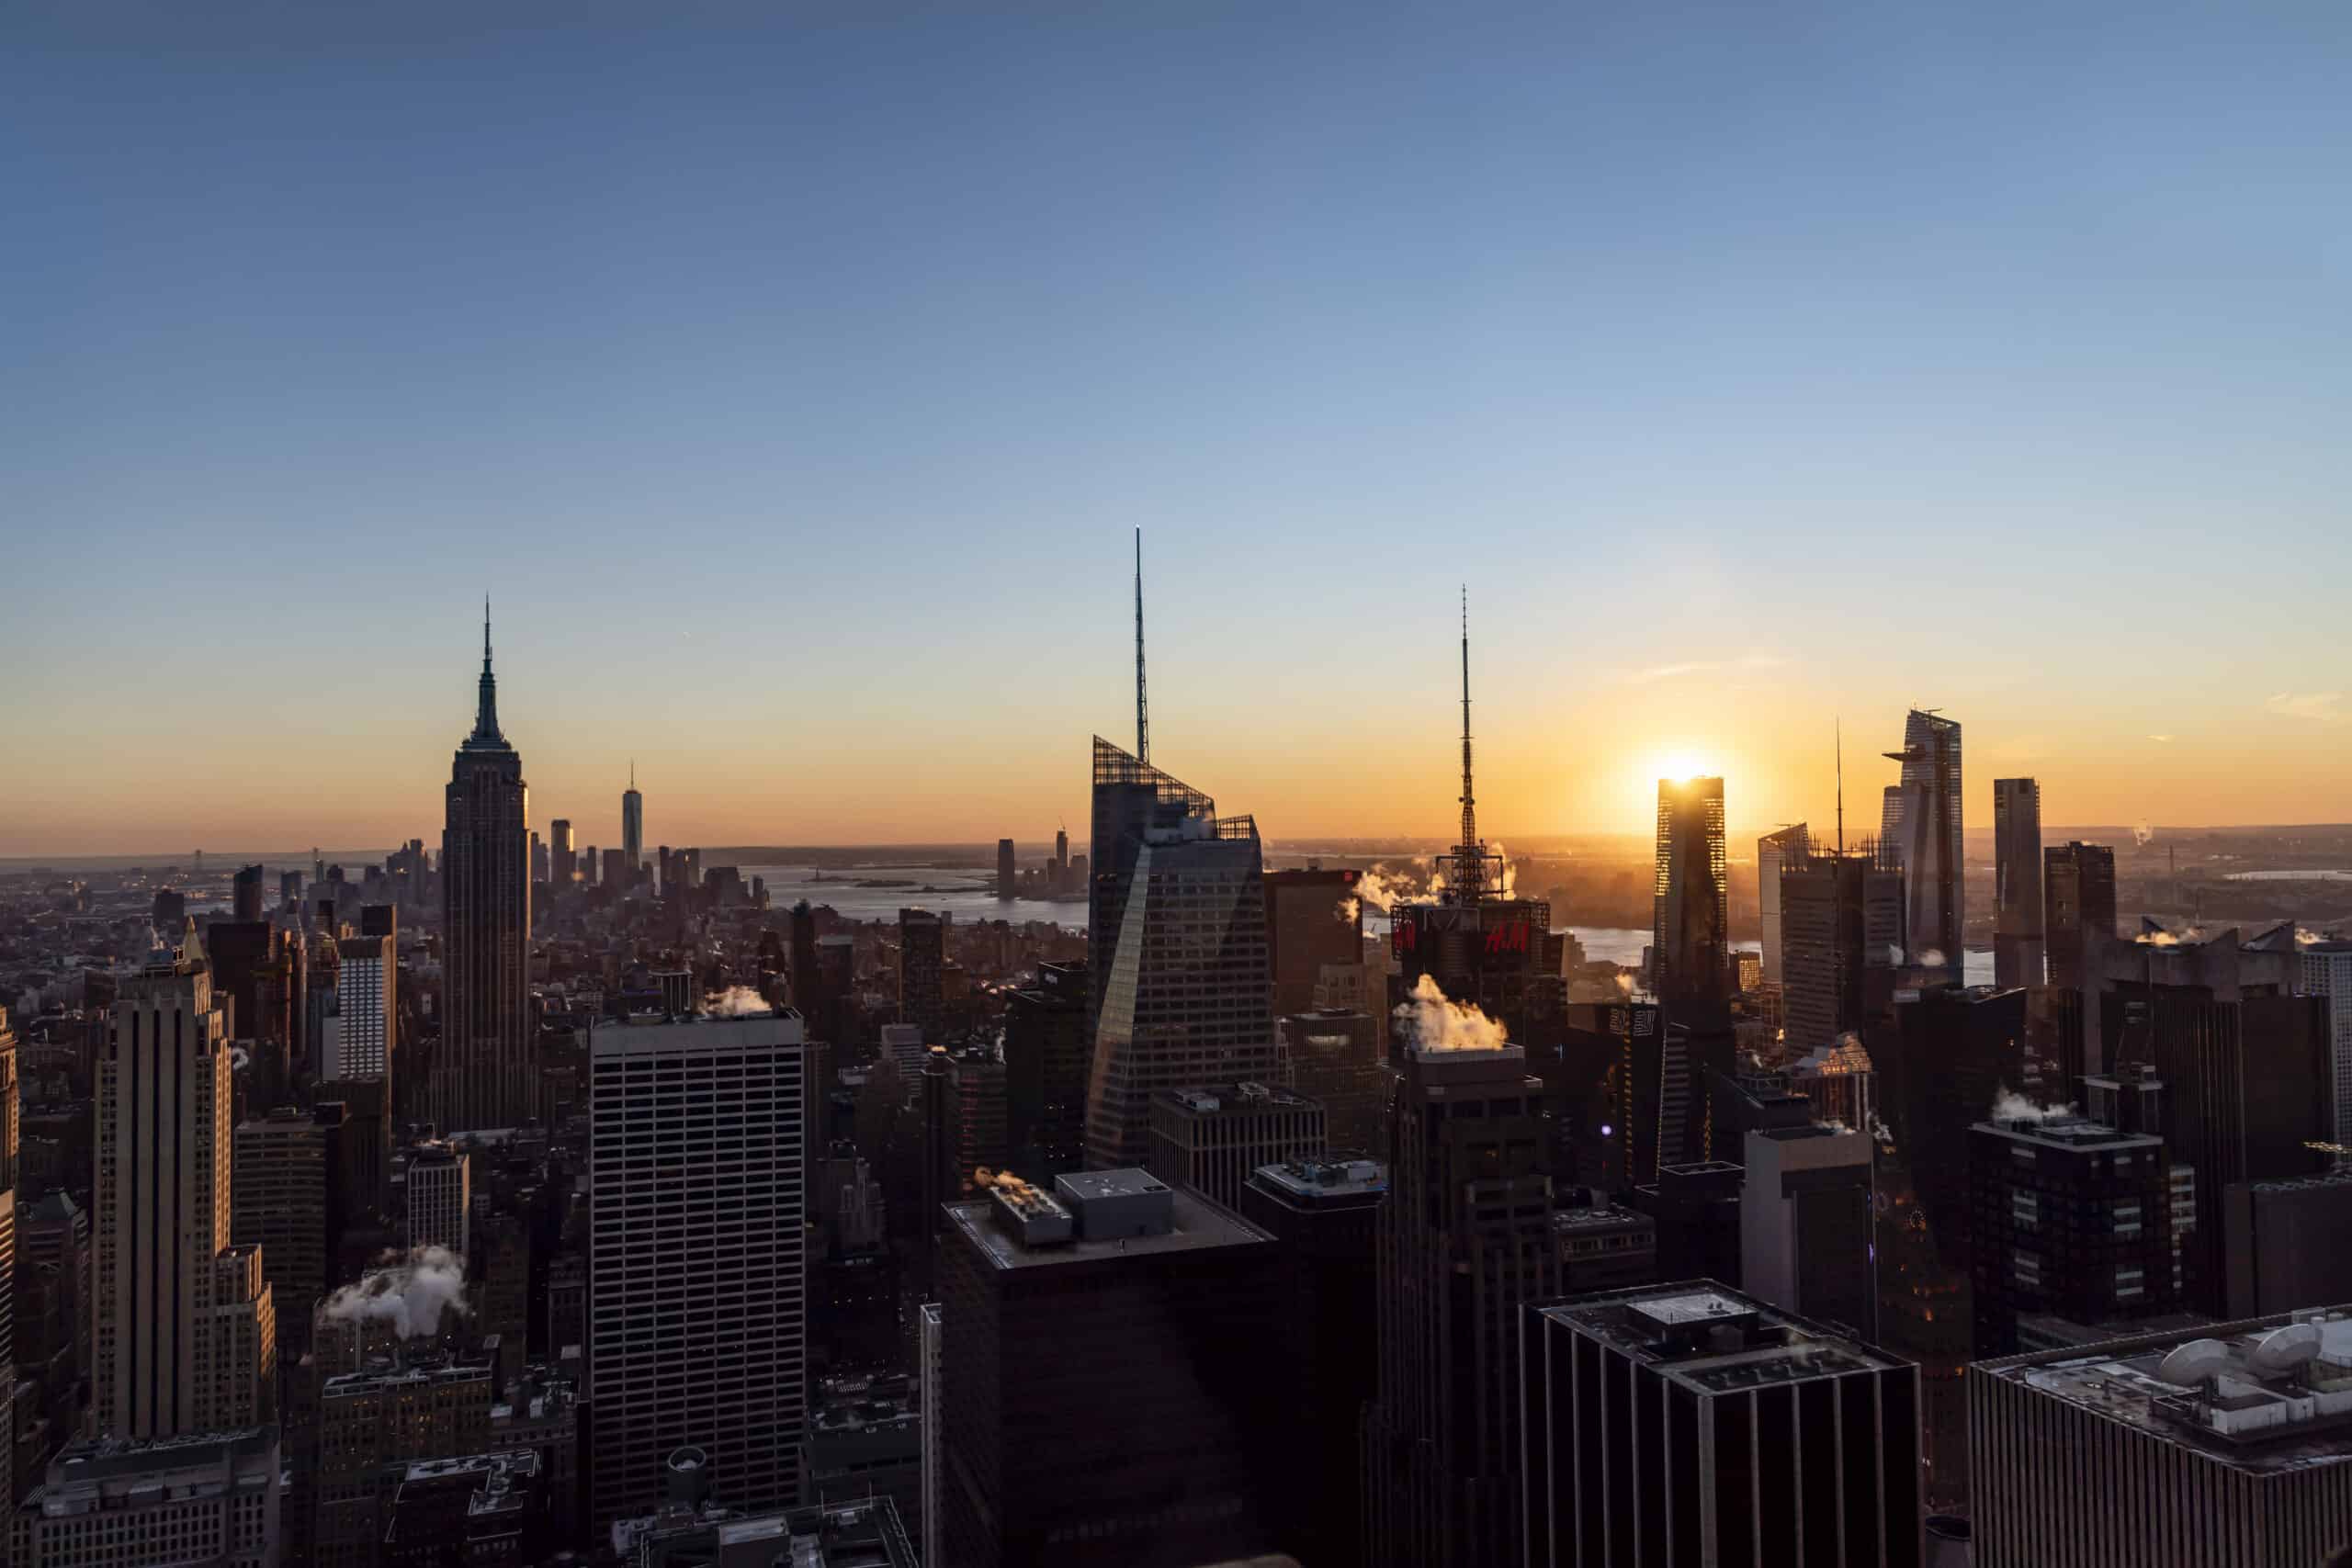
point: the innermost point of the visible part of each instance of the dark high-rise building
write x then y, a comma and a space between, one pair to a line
287, 1189
2071, 1217
240, 951
1921, 823
1689, 1422
2284, 1242
10, 1126
2224, 1443
802, 956
923, 966
1773, 852
1109, 1389
1332, 1056
1466, 1241
541, 866
1663, 1104
1312, 919
2244, 1061
632, 830
1209, 1140
289, 891
2078, 908
1604, 1246
1941, 1062
1187, 999
564, 858
1805, 1218
1696, 1208
2017, 883
975, 1079
1841, 940
482, 1074
245, 894
1045, 1063
1325, 1218
614, 874
1690, 918
1008, 871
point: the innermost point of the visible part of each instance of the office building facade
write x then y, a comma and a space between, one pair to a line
922, 968
1773, 852
185, 1325
2018, 949
288, 1202
1312, 919
2221, 1445
1690, 909
2327, 972
1187, 999
1045, 1062
1108, 1382
1921, 822
1690, 1423
1841, 937
697, 1313
1465, 1242
2078, 909
1210, 1139
110, 1503
440, 1197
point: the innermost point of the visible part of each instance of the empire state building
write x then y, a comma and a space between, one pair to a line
482, 1072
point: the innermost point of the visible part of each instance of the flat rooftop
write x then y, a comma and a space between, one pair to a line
1311, 1179
1199, 1226
1716, 1340
2256, 1418
1606, 1217
2067, 1131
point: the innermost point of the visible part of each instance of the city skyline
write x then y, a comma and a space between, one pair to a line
1677, 328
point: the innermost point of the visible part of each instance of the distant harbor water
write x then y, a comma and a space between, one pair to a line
963, 891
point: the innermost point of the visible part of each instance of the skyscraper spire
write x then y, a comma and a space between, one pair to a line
1469, 801
1143, 712
486, 704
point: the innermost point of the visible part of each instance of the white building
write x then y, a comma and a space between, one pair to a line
209, 1497
697, 1300
2327, 972
365, 981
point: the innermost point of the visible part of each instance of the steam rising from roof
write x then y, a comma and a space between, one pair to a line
1433, 1021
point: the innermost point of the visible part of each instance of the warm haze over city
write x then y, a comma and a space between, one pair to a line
792, 382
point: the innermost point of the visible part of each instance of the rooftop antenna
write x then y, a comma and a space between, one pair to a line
1143, 711
1838, 739
1470, 864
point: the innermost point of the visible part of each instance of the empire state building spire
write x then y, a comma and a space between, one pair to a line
486, 705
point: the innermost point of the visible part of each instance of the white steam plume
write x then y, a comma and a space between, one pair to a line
2143, 835
2306, 937
1509, 873
735, 1002
1383, 889
1433, 1021
2010, 1106
1345, 910
2171, 939
410, 1293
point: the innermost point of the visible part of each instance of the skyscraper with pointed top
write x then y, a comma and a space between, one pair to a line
632, 826
1475, 938
482, 1071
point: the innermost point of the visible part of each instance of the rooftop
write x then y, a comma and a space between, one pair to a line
2262, 1395
2067, 1131
1228, 1098
1715, 1341
1198, 1225
1325, 1178
1605, 1216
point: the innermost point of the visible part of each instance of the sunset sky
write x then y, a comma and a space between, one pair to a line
792, 380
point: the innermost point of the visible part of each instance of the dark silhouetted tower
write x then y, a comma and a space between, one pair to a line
1690, 915
481, 1073
2017, 883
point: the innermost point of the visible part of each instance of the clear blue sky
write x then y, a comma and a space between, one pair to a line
791, 375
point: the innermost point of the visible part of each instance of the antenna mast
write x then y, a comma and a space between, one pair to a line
1143, 718
1837, 732
1469, 801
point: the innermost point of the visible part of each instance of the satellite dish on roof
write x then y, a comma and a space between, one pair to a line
2190, 1364
2285, 1349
